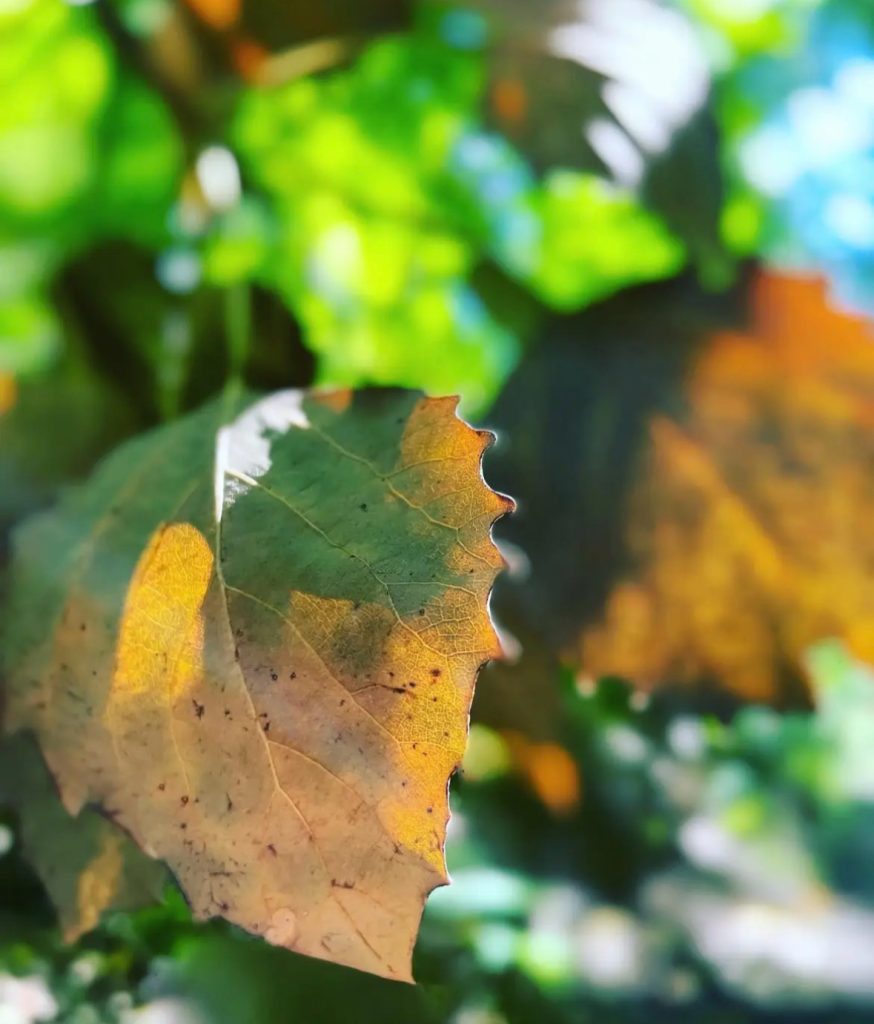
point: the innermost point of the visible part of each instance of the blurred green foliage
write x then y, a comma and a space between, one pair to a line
86, 152
379, 246
371, 201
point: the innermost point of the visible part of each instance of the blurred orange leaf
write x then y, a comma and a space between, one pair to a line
749, 527
549, 770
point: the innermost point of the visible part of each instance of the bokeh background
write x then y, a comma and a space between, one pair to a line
637, 238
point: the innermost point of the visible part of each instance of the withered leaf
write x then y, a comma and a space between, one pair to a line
255, 645
87, 865
749, 529
695, 476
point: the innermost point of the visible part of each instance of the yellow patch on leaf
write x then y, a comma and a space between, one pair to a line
162, 616
97, 883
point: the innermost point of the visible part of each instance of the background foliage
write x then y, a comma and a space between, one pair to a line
583, 219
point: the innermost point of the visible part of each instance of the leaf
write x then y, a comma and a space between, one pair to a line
612, 85
572, 420
273, 702
694, 482
749, 528
86, 863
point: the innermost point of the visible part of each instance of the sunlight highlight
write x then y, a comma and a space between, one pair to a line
161, 631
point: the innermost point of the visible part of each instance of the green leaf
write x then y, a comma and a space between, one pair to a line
87, 864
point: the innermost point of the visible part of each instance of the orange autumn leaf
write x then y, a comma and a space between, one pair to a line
749, 530
253, 640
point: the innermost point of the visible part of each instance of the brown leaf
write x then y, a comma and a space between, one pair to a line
256, 646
